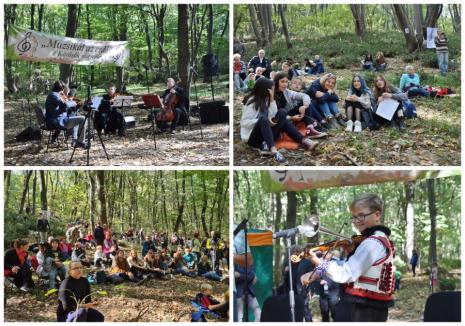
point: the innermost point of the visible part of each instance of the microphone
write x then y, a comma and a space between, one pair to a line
286, 233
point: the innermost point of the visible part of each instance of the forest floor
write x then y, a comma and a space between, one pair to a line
409, 303
432, 139
152, 301
187, 147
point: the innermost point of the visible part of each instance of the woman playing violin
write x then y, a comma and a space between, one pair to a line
172, 89
108, 117
368, 273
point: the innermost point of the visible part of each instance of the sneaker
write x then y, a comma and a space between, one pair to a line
25, 288
308, 144
358, 126
314, 134
264, 149
349, 126
340, 121
333, 123
280, 159
173, 132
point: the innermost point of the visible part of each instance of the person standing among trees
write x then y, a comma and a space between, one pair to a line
43, 226
414, 261
99, 235
442, 52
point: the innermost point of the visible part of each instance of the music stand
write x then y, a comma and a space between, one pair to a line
89, 118
152, 101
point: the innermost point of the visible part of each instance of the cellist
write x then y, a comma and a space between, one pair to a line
172, 89
368, 274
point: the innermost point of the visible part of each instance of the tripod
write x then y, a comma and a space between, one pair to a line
197, 101
90, 135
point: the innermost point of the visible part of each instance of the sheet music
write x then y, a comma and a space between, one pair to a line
96, 101
387, 108
122, 100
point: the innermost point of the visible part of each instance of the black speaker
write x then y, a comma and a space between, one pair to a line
276, 309
210, 64
214, 112
28, 134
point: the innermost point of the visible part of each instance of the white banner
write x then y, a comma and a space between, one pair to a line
30, 45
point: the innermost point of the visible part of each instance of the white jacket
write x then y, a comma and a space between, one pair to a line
250, 117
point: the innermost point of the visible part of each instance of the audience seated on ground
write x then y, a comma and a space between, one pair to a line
54, 260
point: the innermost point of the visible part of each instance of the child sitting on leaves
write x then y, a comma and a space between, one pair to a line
206, 300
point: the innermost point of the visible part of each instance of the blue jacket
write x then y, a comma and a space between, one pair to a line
56, 111
315, 87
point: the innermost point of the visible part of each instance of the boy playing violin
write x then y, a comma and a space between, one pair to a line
367, 275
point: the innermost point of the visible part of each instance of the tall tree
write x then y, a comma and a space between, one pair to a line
277, 226
433, 12
284, 24
455, 11
71, 28
433, 215
405, 26
9, 20
27, 177
260, 37
43, 190
183, 45
358, 13
102, 196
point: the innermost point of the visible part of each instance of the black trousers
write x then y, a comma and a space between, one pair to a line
328, 305
263, 131
23, 277
163, 125
307, 119
347, 311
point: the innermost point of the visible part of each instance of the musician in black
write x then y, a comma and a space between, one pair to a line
108, 118
58, 115
179, 110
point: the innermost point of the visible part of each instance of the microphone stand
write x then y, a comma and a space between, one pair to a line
195, 74
243, 225
291, 287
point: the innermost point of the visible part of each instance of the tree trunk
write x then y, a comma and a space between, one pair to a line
34, 193
204, 205
102, 197
91, 195
89, 36
314, 201
27, 177
455, 11
291, 215
432, 213
33, 12
181, 199
123, 36
253, 19
9, 19
358, 13
405, 27
183, 45
208, 78
433, 12
409, 217
7, 181
41, 18
43, 190
71, 28
418, 22
285, 29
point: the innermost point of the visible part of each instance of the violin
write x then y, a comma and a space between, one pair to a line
167, 112
349, 246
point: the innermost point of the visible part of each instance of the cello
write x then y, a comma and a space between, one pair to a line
167, 112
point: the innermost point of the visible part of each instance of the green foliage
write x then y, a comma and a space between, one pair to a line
449, 284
